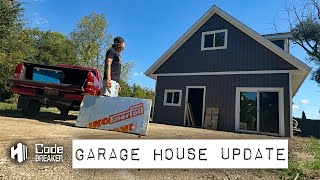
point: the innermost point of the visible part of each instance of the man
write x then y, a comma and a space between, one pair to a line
112, 68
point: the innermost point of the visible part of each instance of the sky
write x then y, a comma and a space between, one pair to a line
150, 27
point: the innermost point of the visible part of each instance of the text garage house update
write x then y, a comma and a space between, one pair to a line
180, 154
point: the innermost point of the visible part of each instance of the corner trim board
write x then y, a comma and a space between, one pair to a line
290, 103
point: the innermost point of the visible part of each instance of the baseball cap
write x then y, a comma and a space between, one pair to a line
118, 40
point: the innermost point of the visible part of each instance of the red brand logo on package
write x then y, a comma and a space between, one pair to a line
133, 111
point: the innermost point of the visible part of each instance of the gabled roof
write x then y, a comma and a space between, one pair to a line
303, 69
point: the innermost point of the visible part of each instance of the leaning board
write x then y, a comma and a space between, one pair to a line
122, 114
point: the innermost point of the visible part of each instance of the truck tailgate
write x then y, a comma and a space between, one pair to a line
46, 85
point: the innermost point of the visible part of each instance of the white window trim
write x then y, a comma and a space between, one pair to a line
166, 91
259, 89
214, 38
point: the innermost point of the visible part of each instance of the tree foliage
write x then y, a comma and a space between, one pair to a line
91, 40
126, 69
304, 21
11, 43
125, 89
31, 45
50, 48
304, 117
85, 46
135, 91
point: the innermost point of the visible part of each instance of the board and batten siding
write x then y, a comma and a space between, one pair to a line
242, 54
220, 92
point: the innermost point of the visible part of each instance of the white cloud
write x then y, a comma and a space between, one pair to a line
136, 74
39, 20
295, 107
305, 101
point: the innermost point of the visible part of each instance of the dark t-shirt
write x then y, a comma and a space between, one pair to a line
115, 65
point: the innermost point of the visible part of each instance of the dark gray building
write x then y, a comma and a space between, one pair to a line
220, 62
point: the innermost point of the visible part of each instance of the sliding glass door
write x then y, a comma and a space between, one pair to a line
269, 112
248, 111
258, 110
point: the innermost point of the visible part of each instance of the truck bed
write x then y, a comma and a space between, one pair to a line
61, 86
46, 85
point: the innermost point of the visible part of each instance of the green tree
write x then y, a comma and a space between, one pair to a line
304, 21
149, 94
126, 70
125, 89
50, 48
11, 42
137, 91
304, 117
91, 39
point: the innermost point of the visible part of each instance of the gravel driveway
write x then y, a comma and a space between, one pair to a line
48, 129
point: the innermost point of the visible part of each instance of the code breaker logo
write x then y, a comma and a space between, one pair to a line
19, 153
133, 111
48, 153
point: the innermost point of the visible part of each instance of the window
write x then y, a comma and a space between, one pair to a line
172, 97
214, 40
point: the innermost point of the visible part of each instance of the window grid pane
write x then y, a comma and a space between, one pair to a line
176, 98
208, 40
169, 97
248, 111
219, 39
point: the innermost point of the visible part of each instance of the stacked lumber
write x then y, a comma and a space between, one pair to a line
190, 117
211, 118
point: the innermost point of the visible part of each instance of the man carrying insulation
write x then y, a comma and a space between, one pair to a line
112, 69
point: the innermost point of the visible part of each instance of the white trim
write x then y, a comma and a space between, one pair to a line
278, 36
215, 10
166, 91
214, 39
237, 112
281, 113
290, 103
203, 103
185, 107
258, 111
286, 45
260, 89
154, 97
254, 132
229, 73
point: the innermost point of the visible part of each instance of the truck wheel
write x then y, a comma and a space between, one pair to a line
64, 113
32, 108
25, 111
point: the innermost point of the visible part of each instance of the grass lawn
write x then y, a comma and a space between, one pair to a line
7, 109
7, 106
13, 108
304, 159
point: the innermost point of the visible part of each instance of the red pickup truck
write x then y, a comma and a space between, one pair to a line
62, 86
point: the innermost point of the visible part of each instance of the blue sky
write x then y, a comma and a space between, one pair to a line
151, 27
